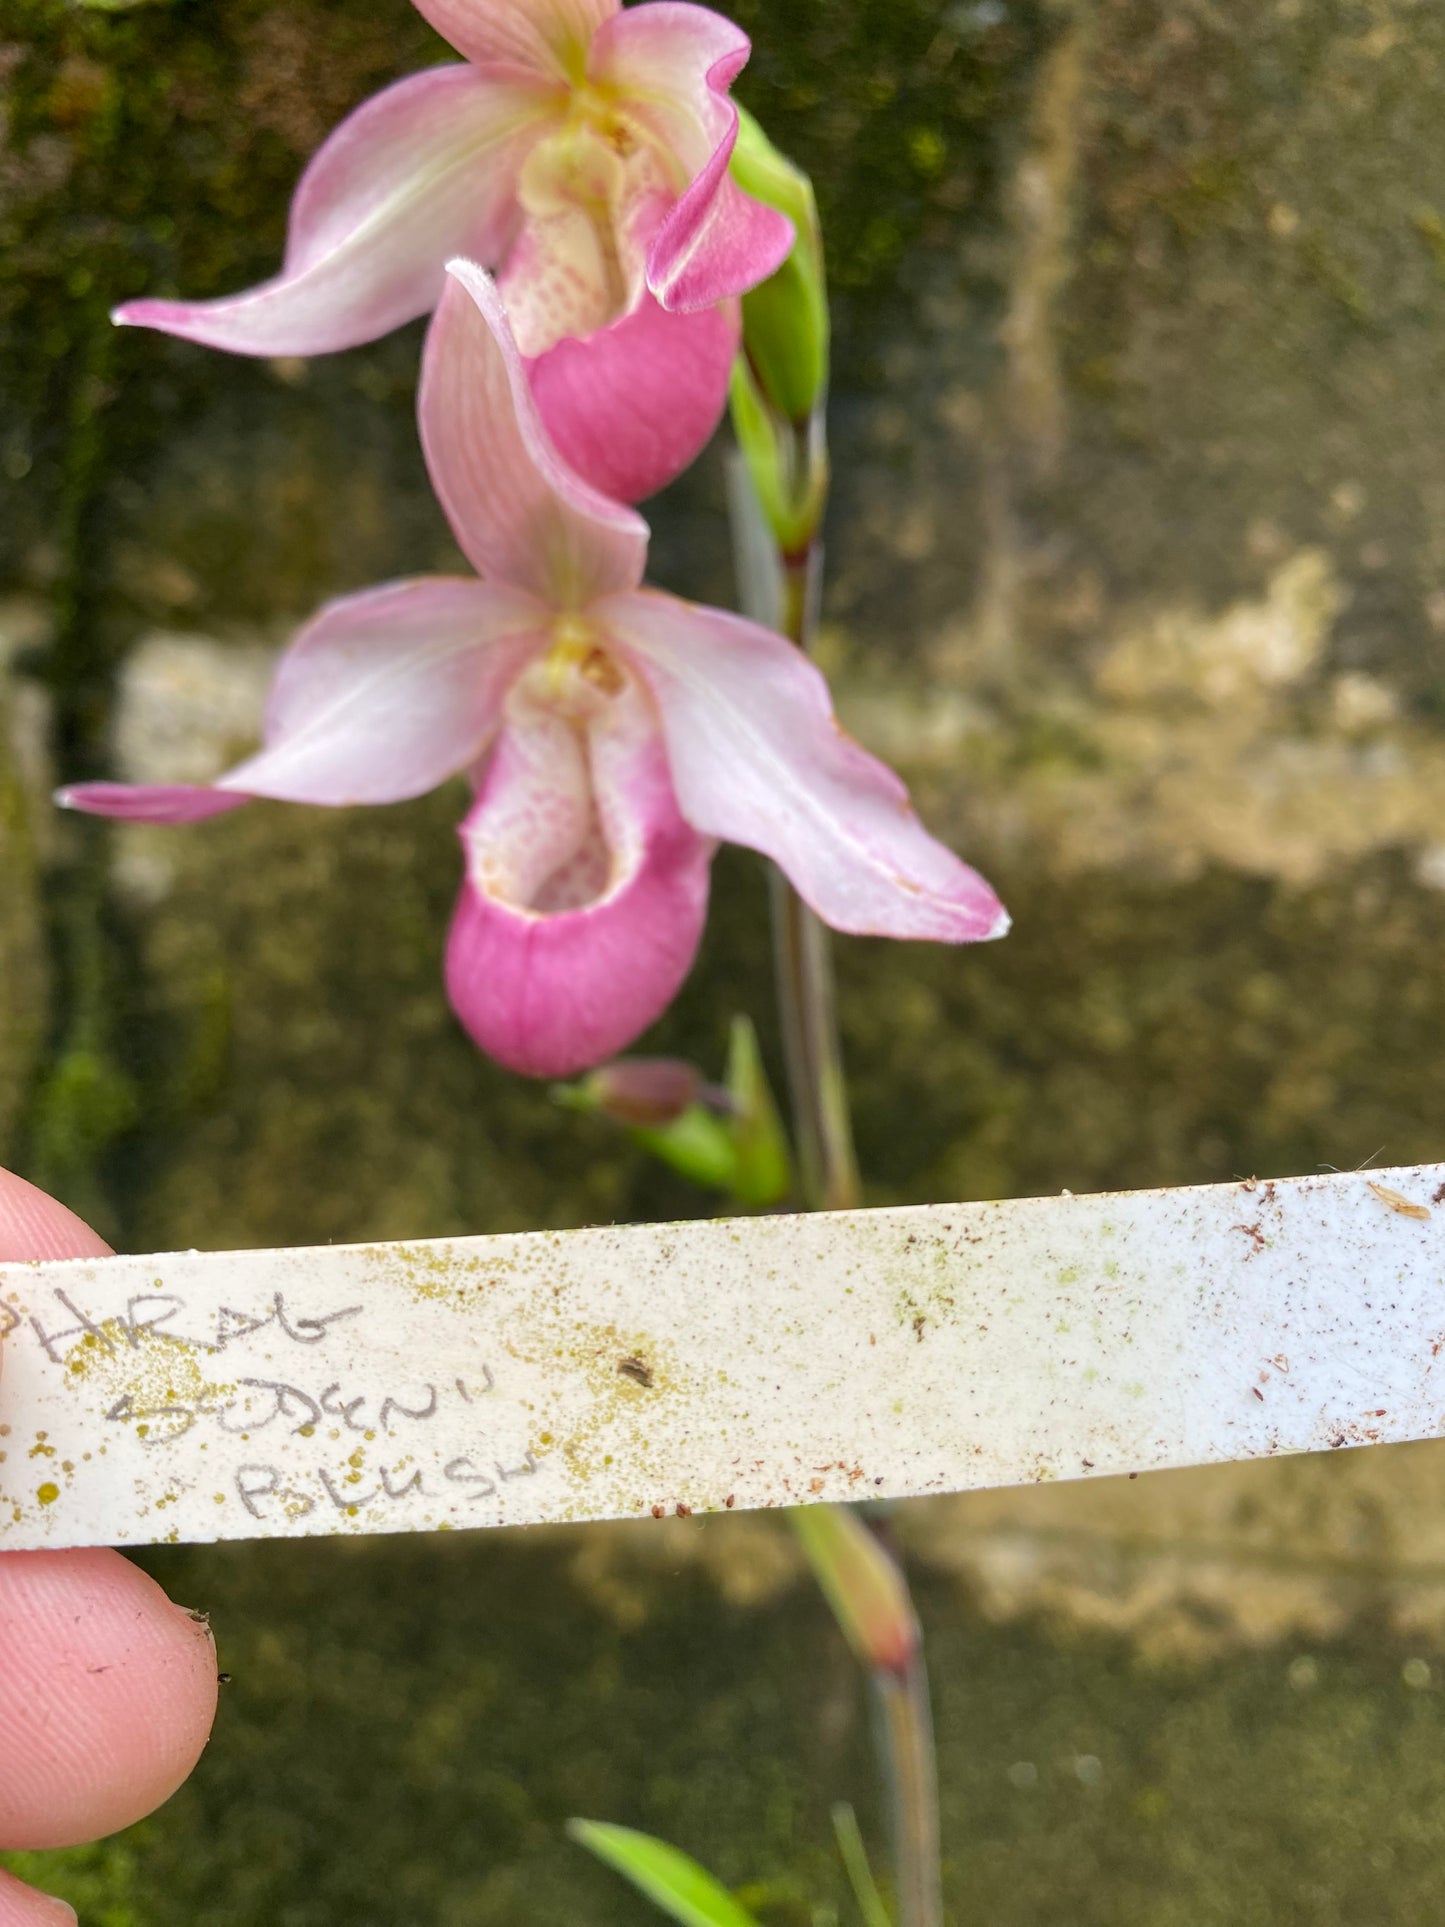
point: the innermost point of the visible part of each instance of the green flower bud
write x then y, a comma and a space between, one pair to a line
788, 465
785, 320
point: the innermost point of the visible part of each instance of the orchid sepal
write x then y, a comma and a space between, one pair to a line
393, 192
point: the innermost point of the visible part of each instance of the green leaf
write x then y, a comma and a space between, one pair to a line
764, 1170
673, 1882
724, 1140
694, 1143
855, 1860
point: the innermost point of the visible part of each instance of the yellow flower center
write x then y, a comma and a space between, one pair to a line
577, 677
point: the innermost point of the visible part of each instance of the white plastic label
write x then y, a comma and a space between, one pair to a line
690, 1367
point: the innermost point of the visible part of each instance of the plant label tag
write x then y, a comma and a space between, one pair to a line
649, 1370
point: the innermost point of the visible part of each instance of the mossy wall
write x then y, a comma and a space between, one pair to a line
22, 947
1137, 568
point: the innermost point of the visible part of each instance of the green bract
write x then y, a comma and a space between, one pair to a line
723, 1139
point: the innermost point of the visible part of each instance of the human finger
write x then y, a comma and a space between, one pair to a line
33, 1225
107, 1690
21, 1906
107, 1693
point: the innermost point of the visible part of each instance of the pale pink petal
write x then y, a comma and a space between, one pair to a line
423, 171
148, 802
759, 759
383, 696
671, 65
388, 693
634, 406
585, 892
520, 514
548, 37
717, 241
668, 66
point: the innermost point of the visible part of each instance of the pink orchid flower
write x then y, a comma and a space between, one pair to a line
582, 152
613, 735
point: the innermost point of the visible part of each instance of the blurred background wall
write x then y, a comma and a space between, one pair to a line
1137, 569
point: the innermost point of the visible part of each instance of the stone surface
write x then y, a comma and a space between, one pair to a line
1138, 568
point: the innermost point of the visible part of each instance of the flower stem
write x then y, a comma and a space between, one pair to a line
784, 591
803, 965
910, 1764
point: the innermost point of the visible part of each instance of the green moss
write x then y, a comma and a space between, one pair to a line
409, 1727
895, 108
83, 1105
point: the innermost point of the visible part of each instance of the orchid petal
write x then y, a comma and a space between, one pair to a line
548, 37
585, 893
635, 405
520, 514
424, 170
758, 759
717, 241
383, 696
388, 693
671, 65
148, 802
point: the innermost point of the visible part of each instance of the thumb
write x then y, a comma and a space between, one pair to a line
35, 1226
107, 1690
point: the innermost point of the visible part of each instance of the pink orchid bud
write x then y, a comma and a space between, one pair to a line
644, 1091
